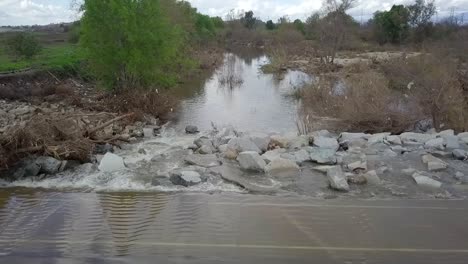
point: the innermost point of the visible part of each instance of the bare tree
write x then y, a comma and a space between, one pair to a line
332, 28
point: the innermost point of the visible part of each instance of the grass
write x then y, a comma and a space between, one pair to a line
51, 57
57, 57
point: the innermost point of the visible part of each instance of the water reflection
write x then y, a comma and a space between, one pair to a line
239, 94
230, 76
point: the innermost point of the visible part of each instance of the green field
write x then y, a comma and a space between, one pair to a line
59, 55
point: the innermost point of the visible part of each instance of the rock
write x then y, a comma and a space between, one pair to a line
411, 138
436, 166
345, 136
356, 179
230, 154
358, 165
235, 175
464, 140
191, 129
436, 143
223, 148
228, 131
323, 168
460, 176
185, 178
207, 161
243, 144
425, 181
377, 138
441, 154
399, 149
337, 179
203, 141
282, 168
322, 156
301, 156
205, 149
409, 171
261, 140
326, 143
279, 141
148, 132
352, 144
448, 132
111, 162
48, 165
299, 142
394, 140
451, 142
433, 163
31, 169
142, 151
250, 160
460, 154
372, 178
273, 154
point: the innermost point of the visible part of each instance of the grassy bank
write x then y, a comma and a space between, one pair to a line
52, 57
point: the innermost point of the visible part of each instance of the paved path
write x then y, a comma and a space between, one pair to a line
45, 227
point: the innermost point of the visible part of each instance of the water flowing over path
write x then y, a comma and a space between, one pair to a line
48, 227
89, 216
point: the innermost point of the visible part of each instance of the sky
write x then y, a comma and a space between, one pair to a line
42, 12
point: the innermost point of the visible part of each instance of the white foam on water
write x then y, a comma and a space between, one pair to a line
128, 179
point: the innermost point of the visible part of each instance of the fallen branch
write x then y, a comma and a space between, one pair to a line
55, 77
94, 130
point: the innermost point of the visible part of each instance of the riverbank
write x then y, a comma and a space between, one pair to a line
45, 112
321, 164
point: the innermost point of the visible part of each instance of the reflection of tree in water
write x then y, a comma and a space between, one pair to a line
230, 75
130, 217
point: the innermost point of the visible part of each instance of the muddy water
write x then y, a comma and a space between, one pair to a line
239, 94
50, 227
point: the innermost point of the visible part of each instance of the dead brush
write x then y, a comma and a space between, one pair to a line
363, 103
140, 102
432, 82
60, 138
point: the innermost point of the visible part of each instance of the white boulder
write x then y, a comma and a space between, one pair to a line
111, 162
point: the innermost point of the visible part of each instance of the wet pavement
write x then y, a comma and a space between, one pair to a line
51, 227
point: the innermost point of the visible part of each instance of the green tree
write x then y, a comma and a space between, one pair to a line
392, 26
249, 20
130, 43
300, 26
270, 25
24, 45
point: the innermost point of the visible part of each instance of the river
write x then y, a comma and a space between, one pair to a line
90, 217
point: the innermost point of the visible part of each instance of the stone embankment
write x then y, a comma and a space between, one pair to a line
262, 162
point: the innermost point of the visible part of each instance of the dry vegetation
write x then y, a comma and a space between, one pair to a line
393, 95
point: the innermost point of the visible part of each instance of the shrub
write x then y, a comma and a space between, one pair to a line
432, 83
131, 43
24, 45
362, 102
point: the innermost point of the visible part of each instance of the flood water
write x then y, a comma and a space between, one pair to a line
86, 216
239, 94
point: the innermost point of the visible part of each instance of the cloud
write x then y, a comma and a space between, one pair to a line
28, 12
31, 12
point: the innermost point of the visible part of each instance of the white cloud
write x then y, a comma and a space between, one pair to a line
30, 12
27, 12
